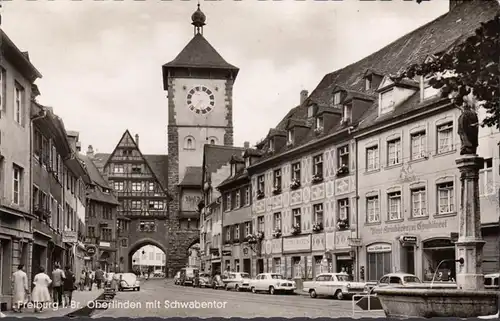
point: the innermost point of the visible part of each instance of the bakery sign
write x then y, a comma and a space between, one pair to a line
379, 248
297, 244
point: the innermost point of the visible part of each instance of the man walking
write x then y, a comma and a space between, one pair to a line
99, 277
69, 285
20, 288
57, 284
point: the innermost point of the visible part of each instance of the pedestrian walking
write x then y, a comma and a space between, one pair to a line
83, 280
20, 288
99, 277
91, 279
57, 284
40, 294
69, 285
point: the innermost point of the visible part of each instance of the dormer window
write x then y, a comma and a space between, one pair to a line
319, 122
290, 137
271, 145
346, 114
336, 98
368, 83
247, 162
387, 101
310, 111
426, 89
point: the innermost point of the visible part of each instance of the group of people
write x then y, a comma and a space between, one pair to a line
62, 284
88, 278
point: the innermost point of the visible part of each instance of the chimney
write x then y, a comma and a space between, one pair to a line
246, 145
303, 96
90, 151
137, 139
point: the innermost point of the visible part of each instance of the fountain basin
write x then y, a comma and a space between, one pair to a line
399, 302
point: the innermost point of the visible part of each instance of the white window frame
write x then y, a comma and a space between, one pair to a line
318, 213
394, 158
343, 153
296, 216
248, 229
290, 136
228, 233
486, 178
261, 183
449, 189
151, 186
319, 122
18, 103
237, 199
419, 202
394, 202
237, 232
418, 145
119, 169
17, 178
373, 209
229, 205
136, 186
260, 224
136, 208
296, 171
368, 83
372, 158
444, 134
318, 168
343, 209
387, 95
247, 195
277, 178
277, 220
336, 98
119, 186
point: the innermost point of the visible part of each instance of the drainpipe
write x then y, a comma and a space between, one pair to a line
357, 211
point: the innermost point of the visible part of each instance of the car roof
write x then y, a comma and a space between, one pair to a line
492, 275
399, 274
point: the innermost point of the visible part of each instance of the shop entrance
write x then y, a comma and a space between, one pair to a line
247, 266
260, 266
408, 259
344, 263
216, 268
439, 260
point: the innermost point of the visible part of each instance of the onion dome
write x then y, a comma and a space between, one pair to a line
198, 18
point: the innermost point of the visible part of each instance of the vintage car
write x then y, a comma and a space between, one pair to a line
177, 278
217, 282
237, 281
202, 280
338, 285
272, 283
187, 275
491, 281
128, 281
401, 279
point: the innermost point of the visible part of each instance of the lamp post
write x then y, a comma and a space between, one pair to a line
140, 260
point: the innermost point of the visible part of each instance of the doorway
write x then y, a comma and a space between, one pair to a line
344, 264
260, 266
247, 266
439, 260
408, 259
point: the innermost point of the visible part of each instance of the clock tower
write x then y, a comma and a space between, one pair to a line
199, 83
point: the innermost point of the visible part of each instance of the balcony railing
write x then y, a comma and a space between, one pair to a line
42, 213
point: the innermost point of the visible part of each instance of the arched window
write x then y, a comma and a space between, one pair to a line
189, 143
212, 142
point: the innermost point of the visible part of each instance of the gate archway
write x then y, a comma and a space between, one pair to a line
146, 255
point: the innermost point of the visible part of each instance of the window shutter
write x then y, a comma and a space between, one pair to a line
224, 235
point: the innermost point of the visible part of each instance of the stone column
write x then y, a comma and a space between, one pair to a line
470, 241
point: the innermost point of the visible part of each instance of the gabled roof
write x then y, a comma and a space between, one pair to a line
431, 38
216, 156
192, 177
158, 164
97, 194
199, 53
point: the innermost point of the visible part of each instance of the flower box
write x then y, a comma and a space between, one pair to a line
342, 170
251, 239
317, 178
277, 233
296, 229
260, 195
317, 227
259, 236
295, 184
343, 224
276, 190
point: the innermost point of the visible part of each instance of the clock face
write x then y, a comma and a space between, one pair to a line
200, 100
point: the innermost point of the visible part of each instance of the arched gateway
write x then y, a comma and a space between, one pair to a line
160, 195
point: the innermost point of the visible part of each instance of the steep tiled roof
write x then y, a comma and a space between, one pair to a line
158, 164
199, 53
432, 38
216, 156
97, 194
192, 176
240, 175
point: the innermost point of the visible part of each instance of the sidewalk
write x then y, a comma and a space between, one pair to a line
80, 300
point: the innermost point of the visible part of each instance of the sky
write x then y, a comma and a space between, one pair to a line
101, 60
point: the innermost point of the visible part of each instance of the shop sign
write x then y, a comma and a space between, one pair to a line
412, 227
91, 250
408, 239
104, 244
226, 253
70, 237
297, 244
86, 258
379, 248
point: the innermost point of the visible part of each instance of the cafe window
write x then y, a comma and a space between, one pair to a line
379, 264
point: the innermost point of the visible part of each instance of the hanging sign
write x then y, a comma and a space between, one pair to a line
91, 250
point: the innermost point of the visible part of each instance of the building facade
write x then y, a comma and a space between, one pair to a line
149, 258
17, 76
100, 220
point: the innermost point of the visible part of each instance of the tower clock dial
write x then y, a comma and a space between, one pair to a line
200, 100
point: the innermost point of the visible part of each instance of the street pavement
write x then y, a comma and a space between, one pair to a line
161, 298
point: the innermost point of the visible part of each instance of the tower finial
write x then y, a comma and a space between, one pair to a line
198, 20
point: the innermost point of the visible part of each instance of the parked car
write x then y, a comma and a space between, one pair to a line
217, 282
238, 281
491, 281
187, 275
177, 278
401, 279
128, 281
338, 285
158, 274
203, 280
272, 283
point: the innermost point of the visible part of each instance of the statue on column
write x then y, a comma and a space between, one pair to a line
468, 129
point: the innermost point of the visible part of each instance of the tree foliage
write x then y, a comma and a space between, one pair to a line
468, 70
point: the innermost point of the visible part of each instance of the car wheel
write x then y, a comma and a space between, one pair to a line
271, 290
138, 289
339, 295
237, 288
226, 287
253, 290
312, 293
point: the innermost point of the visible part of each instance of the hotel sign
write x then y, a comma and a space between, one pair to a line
70, 237
379, 248
412, 227
297, 244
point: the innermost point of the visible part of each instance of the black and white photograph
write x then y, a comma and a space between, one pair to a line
249, 158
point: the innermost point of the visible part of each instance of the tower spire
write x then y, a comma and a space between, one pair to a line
198, 19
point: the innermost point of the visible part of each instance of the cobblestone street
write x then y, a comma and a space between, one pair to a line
231, 304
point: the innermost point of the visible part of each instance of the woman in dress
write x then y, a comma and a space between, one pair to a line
40, 294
